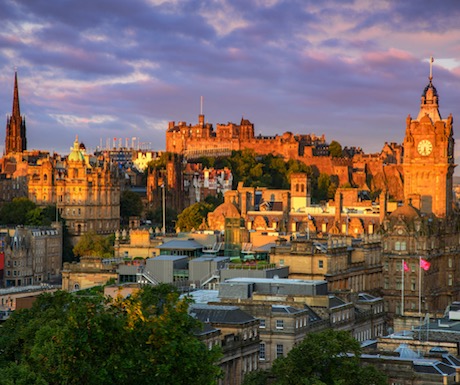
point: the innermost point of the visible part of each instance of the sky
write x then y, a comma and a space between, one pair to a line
103, 69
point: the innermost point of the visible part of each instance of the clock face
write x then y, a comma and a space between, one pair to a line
424, 147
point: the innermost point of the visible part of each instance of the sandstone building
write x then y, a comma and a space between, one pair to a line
85, 188
32, 256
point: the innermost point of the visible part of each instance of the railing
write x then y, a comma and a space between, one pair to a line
145, 274
243, 266
213, 275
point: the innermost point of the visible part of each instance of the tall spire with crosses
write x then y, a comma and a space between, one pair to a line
15, 140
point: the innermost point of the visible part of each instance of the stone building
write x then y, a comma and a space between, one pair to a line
89, 272
86, 190
32, 256
239, 339
376, 171
346, 264
421, 238
288, 309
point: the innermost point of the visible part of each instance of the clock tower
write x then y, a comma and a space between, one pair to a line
429, 156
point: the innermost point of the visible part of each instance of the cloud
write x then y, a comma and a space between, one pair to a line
112, 68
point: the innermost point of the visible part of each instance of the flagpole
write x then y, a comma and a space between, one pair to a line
402, 288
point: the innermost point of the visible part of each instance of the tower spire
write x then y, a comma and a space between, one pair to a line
16, 109
15, 139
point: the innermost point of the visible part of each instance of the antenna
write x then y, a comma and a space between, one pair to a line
201, 105
431, 68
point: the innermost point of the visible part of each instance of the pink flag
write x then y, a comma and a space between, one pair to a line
405, 266
424, 264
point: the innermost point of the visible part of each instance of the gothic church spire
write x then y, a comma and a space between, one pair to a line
15, 140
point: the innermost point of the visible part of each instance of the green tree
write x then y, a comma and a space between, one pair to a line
15, 212
130, 205
335, 149
324, 182
192, 217
329, 357
156, 217
147, 338
92, 244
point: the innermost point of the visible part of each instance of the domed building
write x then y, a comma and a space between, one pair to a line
216, 219
85, 188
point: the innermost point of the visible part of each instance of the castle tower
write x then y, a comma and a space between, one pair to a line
429, 156
15, 140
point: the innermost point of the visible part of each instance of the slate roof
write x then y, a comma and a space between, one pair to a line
285, 309
335, 302
176, 244
433, 367
206, 329
221, 314
265, 248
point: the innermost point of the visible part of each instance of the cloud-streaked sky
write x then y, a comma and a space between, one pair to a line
350, 69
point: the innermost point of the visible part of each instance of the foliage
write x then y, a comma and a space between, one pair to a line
22, 211
324, 183
130, 205
257, 170
156, 217
214, 201
92, 244
192, 217
335, 149
146, 338
329, 357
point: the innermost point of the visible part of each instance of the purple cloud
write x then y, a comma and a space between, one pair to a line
107, 69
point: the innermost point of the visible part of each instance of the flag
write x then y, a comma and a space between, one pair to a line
405, 266
424, 264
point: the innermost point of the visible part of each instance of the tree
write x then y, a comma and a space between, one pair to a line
156, 217
15, 212
324, 182
92, 244
335, 149
192, 217
130, 205
326, 358
147, 338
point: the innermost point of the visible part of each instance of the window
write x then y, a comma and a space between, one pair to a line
279, 324
262, 324
279, 350
449, 280
320, 264
412, 284
262, 351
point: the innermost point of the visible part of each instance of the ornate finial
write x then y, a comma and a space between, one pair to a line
431, 68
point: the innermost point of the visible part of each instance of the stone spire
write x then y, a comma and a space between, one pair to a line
15, 139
